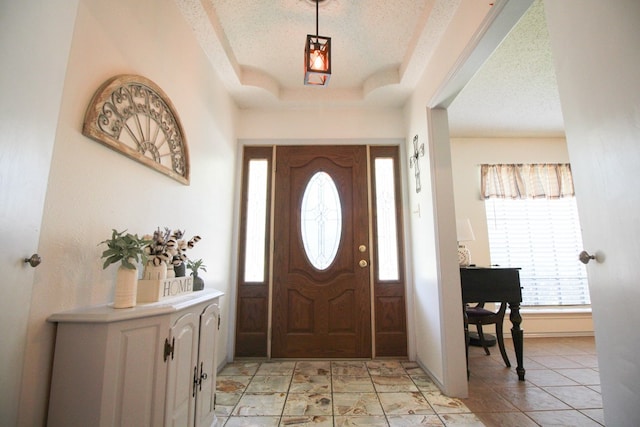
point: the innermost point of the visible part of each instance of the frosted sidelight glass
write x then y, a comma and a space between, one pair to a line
386, 220
256, 221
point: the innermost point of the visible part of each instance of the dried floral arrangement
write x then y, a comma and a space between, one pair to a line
169, 247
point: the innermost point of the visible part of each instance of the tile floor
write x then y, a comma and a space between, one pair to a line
562, 388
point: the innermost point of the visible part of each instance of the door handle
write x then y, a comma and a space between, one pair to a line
584, 257
363, 263
34, 261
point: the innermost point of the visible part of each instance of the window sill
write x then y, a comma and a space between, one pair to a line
545, 310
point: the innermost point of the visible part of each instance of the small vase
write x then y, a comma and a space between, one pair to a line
155, 272
198, 283
126, 287
180, 270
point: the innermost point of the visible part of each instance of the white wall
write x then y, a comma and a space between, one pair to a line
93, 189
597, 61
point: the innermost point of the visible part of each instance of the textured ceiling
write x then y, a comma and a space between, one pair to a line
515, 92
380, 49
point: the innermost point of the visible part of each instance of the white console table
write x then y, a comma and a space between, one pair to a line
150, 365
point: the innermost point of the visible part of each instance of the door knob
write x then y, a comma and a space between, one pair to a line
34, 261
584, 257
363, 263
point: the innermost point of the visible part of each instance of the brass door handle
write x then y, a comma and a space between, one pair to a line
363, 263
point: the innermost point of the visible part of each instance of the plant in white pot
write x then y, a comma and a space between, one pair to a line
128, 249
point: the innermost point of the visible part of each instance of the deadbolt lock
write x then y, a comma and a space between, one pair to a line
362, 248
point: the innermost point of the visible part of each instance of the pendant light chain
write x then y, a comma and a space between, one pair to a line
317, 31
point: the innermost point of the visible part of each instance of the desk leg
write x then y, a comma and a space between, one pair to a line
517, 335
466, 335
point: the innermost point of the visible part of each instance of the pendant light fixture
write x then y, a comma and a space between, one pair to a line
317, 58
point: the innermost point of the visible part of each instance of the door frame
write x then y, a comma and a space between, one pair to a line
263, 297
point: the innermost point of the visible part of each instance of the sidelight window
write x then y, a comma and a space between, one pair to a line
386, 224
254, 260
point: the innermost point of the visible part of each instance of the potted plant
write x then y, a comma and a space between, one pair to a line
194, 266
128, 249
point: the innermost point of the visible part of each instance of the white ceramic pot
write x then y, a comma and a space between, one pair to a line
126, 288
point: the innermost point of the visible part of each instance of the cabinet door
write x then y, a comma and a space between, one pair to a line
205, 399
181, 372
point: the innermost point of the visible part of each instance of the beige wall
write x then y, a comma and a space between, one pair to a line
93, 189
467, 156
435, 292
469, 153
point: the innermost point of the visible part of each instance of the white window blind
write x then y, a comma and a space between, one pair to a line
542, 237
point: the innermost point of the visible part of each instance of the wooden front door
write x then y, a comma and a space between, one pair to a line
321, 283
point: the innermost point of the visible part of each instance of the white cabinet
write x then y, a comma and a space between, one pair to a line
192, 340
150, 365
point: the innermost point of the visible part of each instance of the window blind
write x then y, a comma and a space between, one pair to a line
542, 237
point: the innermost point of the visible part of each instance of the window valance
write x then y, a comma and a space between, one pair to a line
526, 181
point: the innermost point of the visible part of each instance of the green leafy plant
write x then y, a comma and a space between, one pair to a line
125, 247
196, 265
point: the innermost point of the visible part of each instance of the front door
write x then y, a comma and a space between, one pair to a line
321, 282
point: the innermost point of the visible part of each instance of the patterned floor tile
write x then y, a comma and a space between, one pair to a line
562, 388
361, 421
308, 404
391, 383
405, 404
262, 404
350, 384
310, 384
414, 420
356, 404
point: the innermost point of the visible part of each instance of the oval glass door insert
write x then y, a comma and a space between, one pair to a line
321, 220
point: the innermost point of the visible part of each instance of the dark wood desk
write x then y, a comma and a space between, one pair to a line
495, 285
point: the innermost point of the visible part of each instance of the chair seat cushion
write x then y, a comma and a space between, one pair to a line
479, 312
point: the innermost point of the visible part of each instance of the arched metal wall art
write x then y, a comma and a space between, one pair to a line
132, 115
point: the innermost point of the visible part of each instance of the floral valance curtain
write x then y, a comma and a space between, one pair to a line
526, 181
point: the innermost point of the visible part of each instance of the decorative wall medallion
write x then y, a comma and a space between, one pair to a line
132, 115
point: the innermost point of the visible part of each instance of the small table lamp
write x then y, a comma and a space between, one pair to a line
465, 234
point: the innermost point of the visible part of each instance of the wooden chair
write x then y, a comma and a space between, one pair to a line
480, 316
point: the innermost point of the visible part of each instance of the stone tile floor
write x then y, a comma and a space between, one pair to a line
562, 388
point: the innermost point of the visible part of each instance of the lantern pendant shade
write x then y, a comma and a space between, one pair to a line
317, 60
